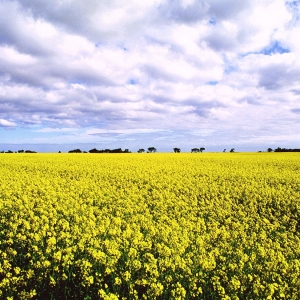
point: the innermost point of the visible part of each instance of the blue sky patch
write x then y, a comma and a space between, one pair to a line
132, 82
293, 7
230, 69
275, 48
212, 82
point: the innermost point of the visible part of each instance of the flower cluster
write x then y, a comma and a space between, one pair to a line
138, 226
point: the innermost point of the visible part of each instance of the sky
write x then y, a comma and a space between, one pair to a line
133, 74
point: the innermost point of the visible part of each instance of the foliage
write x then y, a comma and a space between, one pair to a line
195, 150
118, 150
75, 151
286, 150
152, 149
135, 226
19, 151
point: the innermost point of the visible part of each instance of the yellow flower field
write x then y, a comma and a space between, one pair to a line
150, 226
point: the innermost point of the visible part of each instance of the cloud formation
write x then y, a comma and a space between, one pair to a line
174, 73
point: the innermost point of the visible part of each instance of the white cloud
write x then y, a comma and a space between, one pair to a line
7, 124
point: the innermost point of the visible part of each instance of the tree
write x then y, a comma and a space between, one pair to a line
201, 149
224, 150
94, 150
195, 150
141, 150
232, 150
270, 150
286, 150
176, 150
151, 149
74, 151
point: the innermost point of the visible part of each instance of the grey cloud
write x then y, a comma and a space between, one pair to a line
227, 9
85, 18
228, 38
221, 40
250, 100
46, 72
203, 108
199, 107
276, 76
105, 134
203, 103
157, 73
27, 106
201, 112
296, 110
83, 75
159, 107
200, 10
100, 114
161, 99
24, 74
35, 108
74, 15
16, 32
161, 41
94, 114
174, 10
296, 91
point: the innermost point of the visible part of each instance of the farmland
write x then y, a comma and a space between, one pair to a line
150, 226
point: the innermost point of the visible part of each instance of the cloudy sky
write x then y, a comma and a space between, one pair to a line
135, 74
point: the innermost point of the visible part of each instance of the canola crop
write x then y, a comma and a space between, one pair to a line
150, 226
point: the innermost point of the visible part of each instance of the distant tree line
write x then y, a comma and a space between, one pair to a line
76, 151
195, 150
283, 150
232, 150
141, 150
150, 150
26, 151
118, 150
19, 151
